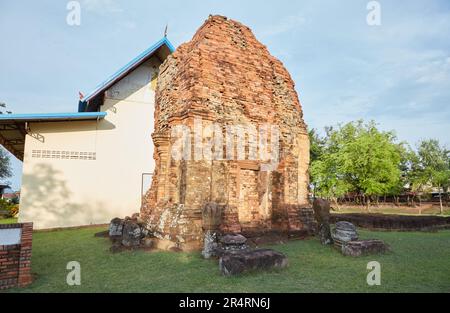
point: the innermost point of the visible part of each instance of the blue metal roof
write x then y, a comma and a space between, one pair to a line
49, 117
130, 65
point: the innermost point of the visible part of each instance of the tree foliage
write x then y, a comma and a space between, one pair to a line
3, 107
432, 166
356, 157
5, 164
359, 158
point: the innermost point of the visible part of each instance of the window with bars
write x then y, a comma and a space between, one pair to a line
63, 155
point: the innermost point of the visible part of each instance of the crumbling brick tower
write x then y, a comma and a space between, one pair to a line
225, 77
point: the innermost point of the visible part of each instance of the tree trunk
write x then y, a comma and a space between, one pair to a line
420, 203
337, 204
440, 201
446, 196
368, 203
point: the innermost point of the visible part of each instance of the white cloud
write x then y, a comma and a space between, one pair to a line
435, 71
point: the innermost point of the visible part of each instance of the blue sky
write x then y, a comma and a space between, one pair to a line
397, 73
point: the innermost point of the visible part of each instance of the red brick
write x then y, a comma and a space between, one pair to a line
225, 75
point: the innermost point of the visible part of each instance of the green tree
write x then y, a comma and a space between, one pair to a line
413, 174
326, 177
317, 144
5, 164
3, 106
433, 166
370, 160
357, 157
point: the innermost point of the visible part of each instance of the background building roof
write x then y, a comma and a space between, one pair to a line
161, 49
13, 127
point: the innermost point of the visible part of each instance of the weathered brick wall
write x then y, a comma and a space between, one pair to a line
226, 76
15, 260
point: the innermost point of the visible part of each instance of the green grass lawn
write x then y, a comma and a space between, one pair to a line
8, 220
420, 262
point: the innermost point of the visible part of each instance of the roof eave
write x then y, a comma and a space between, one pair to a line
130, 66
50, 117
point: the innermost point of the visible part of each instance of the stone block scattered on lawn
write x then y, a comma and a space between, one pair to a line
254, 260
116, 227
344, 232
364, 247
233, 240
128, 233
210, 245
322, 215
132, 234
231, 243
325, 234
321, 211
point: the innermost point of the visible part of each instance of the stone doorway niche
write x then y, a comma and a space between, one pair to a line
252, 205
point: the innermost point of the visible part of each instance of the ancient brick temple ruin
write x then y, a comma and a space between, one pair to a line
224, 78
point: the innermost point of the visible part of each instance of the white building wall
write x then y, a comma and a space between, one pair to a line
61, 189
